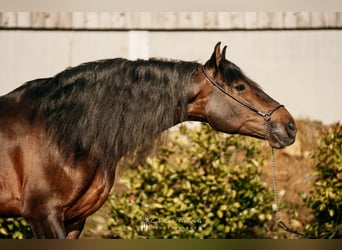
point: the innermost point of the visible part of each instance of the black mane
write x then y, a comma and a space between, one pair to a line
112, 107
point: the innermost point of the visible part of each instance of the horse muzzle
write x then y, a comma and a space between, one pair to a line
281, 136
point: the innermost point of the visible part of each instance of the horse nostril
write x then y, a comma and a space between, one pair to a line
291, 129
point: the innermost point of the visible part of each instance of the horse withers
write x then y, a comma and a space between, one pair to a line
61, 137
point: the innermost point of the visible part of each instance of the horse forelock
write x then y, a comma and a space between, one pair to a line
232, 73
110, 108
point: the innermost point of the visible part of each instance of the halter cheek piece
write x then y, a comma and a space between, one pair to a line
266, 116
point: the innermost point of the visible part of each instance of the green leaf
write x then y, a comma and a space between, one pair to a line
3, 231
223, 207
219, 214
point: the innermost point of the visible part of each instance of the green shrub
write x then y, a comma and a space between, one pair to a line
202, 184
14, 229
325, 199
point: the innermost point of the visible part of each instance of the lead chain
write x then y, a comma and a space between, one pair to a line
274, 173
275, 188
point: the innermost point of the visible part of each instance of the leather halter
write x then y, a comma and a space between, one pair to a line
266, 116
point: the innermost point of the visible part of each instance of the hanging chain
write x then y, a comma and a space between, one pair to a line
275, 188
274, 174
279, 222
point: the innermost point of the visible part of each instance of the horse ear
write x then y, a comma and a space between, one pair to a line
223, 54
215, 58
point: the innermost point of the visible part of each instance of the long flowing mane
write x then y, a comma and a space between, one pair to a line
110, 108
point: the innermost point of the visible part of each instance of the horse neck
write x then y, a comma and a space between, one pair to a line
197, 98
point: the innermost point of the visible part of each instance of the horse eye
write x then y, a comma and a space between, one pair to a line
240, 87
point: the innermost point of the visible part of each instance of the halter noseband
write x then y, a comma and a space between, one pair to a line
266, 116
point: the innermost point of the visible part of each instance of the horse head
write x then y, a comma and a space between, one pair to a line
222, 95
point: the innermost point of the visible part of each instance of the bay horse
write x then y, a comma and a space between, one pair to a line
61, 137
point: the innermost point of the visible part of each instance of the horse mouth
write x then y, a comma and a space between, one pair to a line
277, 138
258, 136
280, 140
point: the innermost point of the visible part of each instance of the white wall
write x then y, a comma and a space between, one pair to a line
301, 69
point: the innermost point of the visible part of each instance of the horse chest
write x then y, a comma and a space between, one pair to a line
92, 198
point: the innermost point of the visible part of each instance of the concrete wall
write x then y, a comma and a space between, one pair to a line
300, 68
171, 20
